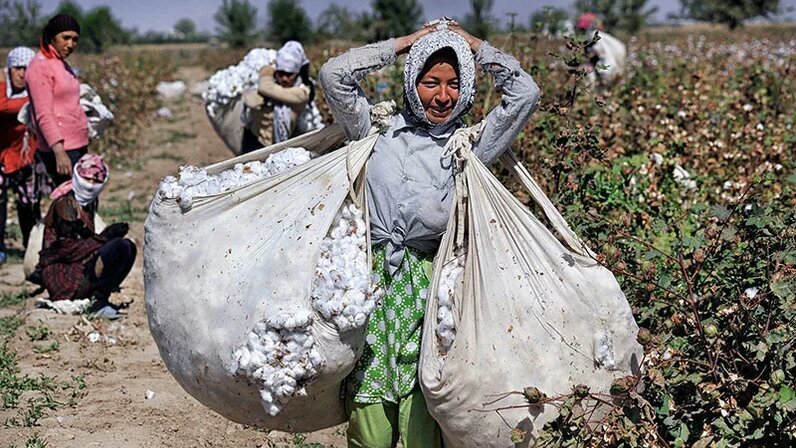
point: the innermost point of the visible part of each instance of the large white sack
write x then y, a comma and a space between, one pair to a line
228, 123
36, 241
527, 311
241, 258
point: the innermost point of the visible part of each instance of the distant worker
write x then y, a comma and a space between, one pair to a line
606, 58
55, 99
282, 106
17, 147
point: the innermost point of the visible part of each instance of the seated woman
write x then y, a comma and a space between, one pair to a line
282, 106
409, 187
75, 261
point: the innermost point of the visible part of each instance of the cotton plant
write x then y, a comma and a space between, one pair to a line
230, 83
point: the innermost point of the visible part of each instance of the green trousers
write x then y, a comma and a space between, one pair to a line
379, 425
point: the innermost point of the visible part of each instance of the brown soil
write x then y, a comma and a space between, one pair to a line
115, 411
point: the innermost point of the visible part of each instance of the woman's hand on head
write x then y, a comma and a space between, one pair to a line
472, 41
404, 43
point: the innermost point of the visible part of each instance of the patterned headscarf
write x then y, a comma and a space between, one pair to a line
419, 54
18, 57
89, 176
291, 57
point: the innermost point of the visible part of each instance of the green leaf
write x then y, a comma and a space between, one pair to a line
791, 178
720, 211
786, 394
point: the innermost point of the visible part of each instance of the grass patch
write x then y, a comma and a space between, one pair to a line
46, 348
177, 136
11, 298
168, 156
123, 212
37, 332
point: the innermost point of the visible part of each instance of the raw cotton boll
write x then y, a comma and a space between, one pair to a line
193, 181
343, 291
286, 159
446, 326
230, 83
604, 350
280, 354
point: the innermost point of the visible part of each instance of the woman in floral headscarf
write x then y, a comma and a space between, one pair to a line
409, 187
75, 261
283, 104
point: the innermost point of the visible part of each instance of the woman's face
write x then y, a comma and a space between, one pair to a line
17, 78
438, 89
65, 43
285, 79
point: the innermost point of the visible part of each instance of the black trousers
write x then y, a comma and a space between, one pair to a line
22, 183
48, 158
118, 256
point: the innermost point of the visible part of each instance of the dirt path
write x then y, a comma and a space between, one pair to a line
129, 399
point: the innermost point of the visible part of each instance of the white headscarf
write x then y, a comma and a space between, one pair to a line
291, 57
419, 54
18, 57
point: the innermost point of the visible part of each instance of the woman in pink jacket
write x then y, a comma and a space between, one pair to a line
55, 99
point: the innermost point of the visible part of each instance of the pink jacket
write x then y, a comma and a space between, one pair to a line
55, 99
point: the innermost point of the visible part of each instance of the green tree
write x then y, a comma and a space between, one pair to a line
549, 20
728, 12
184, 28
287, 20
72, 8
341, 22
236, 22
20, 23
393, 18
479, 21
100, 29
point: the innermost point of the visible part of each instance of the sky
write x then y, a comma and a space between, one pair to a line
161, 15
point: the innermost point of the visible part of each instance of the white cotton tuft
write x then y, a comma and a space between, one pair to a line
446, 326
233, 81
343, 291
604, 351
280, 354
193, 181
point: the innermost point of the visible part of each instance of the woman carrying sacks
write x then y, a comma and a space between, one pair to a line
55, 99
76, 262
281, 107
410, 190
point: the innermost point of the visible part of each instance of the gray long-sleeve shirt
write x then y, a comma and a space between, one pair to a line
409, 183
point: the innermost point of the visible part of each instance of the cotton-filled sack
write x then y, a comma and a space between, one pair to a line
515, 308
224, 95
233, 272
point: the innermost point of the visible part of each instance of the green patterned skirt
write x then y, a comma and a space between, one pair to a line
387, 369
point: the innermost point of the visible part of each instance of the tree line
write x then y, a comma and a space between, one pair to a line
236, 20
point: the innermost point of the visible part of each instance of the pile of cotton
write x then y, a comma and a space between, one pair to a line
230, 83
99, 117
343, 292
193, 181
280, 354
446, 326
